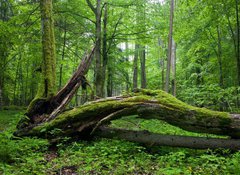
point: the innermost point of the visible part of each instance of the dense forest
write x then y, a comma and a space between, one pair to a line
111, 58
133, 40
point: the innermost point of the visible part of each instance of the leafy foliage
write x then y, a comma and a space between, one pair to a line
104, 156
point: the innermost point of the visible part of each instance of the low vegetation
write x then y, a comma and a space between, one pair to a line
103, 156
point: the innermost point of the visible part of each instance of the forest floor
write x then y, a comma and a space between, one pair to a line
104, 156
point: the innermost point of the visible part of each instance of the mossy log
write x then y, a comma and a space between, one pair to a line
147, 104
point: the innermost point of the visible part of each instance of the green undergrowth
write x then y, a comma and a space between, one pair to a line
104, 156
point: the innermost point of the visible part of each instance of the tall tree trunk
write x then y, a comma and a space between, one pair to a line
26, 89
143, 67
4, 45
128, 83
1, 89
168, 73
135, 67
104, 48
219, 55
63, 53
161, 61
173, 64
47, 88
15, 83
98, 69
163, 71
109, 80
238, 41
21, 86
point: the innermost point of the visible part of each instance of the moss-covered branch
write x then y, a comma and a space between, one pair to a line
146, 104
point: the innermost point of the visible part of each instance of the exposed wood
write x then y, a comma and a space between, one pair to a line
154, 139
146, 104
65, 94
48, 109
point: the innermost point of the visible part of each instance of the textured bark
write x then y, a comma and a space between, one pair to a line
98, 69
63, 53
237, 40
48, 85
104, 49
169, 47
43, 109
154, 139
135, 67
144, 103
173, 65
1, 102
143, 68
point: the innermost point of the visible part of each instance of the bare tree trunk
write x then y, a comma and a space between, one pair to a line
173, 64
104, 48
238, 41
98, 70
15, 83
219, 55
109, 81
1, 102
163, 71
143, 67
26, 90
135, 67
63, 53
168, 73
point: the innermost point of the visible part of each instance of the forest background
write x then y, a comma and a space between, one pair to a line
133, 39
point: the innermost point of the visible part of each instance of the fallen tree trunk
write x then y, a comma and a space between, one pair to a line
146, 104
153, 139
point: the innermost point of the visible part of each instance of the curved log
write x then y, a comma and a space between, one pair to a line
147, 104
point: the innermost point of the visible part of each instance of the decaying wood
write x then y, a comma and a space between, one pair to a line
146, 104
47, 119
52, 107
168, 140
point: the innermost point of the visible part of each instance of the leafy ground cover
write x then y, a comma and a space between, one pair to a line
103, 156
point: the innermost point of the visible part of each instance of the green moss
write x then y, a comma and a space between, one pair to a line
171, 103
47, 88
169, 107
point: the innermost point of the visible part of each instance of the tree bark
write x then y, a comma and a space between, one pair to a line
104, 48
98, 69
238, 41
63, 53
135, 67
168, 73
154, 139
109, 81
48, 86
143, 68
146, 104
173, 64
53, 106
